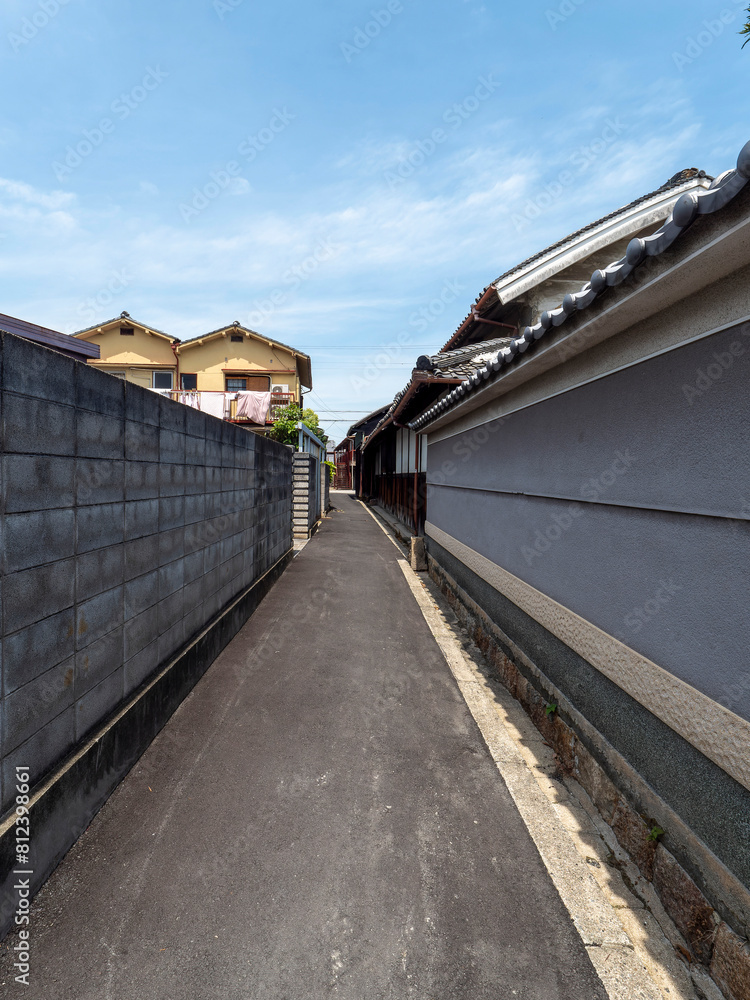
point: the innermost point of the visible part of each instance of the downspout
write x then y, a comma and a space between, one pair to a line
174, 345
492, 322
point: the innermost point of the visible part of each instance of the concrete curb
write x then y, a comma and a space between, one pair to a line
61, 808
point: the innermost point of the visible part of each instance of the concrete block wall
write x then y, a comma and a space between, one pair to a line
306, 505
128, 523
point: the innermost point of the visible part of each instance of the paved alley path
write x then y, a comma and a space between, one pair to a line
320, 818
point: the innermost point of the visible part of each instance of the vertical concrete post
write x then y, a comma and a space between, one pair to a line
418, 555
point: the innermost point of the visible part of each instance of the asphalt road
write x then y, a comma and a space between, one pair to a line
320, 818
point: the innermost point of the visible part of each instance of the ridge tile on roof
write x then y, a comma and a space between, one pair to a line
125, 318
686, 210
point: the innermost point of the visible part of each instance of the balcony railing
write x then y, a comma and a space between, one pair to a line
278, 401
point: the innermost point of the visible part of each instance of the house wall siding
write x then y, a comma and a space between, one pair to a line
136, 355
128, 522
214, 358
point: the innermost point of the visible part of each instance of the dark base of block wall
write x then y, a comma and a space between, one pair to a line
64, 804
713, 943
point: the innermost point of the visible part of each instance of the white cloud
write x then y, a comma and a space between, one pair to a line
18, 191
26, 210
451, 219
239, 186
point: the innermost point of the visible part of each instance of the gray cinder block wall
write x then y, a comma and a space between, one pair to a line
307, 493
128, 522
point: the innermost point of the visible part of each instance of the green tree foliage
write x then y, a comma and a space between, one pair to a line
746, 30
285, 426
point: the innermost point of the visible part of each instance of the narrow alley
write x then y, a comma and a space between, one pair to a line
321, 817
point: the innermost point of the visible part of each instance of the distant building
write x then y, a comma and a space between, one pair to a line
349, 452
133, 351
229, 360
343, 459
395, 459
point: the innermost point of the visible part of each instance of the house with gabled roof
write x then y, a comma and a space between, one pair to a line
234, 358
347, 456
230, 359
133, 351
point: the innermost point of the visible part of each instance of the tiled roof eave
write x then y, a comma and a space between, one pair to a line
655, 201
686, 210
125, 321
445, 379
492, 294
253, 333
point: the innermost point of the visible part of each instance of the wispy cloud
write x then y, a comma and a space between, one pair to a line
18, 191
452, 219
24, 208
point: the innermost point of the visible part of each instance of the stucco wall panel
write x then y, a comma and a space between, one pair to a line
139, 349
649, 578
668, 433
220, 355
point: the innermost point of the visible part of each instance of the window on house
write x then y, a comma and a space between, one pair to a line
236, 338
127, 331
189, 381
251, 383
117, 374
161, 380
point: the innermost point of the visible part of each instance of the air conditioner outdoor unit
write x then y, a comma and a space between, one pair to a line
280, 388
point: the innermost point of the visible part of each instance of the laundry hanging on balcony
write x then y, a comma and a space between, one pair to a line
190, 398
214, 403
253, 406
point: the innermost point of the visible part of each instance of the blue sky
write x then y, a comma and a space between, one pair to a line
343, 177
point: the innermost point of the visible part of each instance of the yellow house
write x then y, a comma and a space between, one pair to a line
230, 359
234, 358
135, 352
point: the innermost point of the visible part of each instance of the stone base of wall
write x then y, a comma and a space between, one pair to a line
62, 808
712, 943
